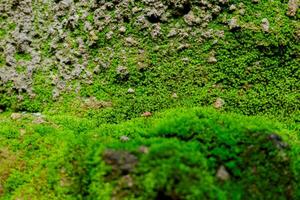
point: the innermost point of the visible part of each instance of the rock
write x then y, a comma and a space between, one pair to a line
277, 141
130, 41
265, 25
109, 35
223, 1
16, 116
156, 30
293, 6
121, 161
212, 59
219, 103
147, 114
122, 29
233, 23
191, 19
38, 120
183, 47
37, 114
22, 132
232, 7
130, 91
174, 96
144, 149
121, 70
172, 33
222, 174
124, 138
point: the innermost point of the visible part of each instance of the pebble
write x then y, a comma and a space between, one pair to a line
147, 114
222, 174
219, 103
130, 91
124, 138
265, 25
15, 116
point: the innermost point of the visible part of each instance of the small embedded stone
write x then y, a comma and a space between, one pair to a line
174, 96
144, 149
219, 103
147, 114
15, 116
265, 25
222, 174
124, 138
293, 6
122, 29
130, 91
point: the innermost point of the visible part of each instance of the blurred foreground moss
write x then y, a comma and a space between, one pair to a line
177, 154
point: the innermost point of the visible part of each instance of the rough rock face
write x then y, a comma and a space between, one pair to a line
43, 39
63, 46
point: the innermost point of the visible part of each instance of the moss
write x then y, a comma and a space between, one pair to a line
176, 156
23, 56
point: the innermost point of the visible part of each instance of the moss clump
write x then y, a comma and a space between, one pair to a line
178, 154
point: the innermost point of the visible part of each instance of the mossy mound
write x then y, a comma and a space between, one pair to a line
178, 154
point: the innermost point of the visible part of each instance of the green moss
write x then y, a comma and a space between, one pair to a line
175, 155
23, 56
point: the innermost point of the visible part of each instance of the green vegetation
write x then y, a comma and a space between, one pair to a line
174, 155
108, 110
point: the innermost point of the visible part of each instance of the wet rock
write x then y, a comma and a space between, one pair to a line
265, 25
222, 174
293, 6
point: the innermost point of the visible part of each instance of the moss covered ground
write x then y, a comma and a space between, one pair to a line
178, 154
122, 110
